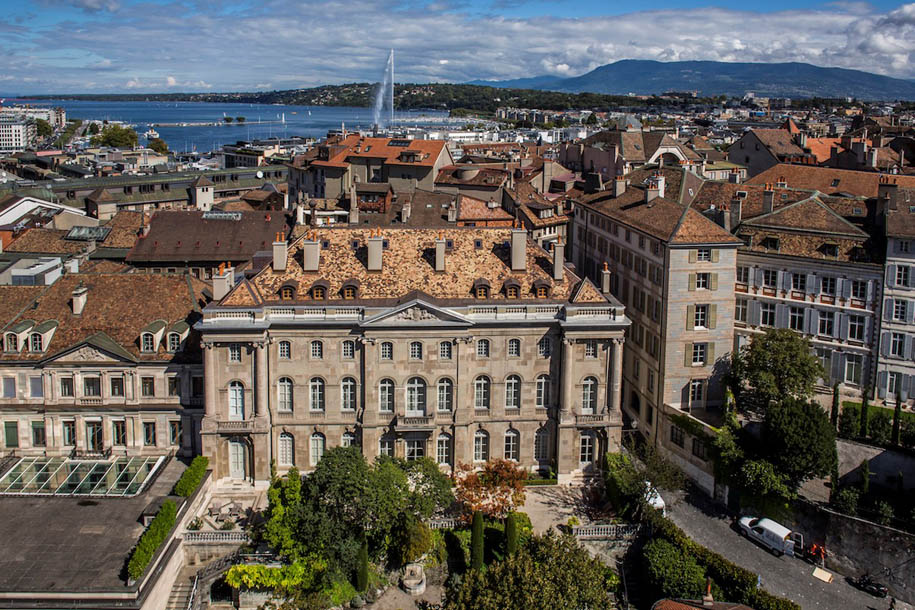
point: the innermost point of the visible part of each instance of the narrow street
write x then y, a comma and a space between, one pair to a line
784, 576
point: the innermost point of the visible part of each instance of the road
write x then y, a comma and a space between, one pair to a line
783, 576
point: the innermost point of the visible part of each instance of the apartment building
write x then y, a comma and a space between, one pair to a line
16, 134
460, 344
101, 365
57, 117
614, 153
674, 270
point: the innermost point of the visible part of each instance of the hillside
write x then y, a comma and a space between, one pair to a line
710, 78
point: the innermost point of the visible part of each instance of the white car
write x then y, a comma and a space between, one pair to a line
654, 499
774, 536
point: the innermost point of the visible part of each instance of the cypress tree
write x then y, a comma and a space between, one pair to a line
362, 567
862, 428
476, 541
511, 534
834, 414
897, 416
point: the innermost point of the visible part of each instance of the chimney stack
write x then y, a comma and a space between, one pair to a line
619, 186
353, 206
311, 252
605, 279
802, 140
872, 158
223, 281
406, 211
707, 600
559, 260
734, 176
313, 220
440, 252
452, 212
79, 297
736, 212
768, 198
299, 215
519, 249
279, 253
376, 250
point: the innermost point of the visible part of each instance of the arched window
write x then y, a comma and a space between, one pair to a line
348, 439
12, 343
318, 293
236, 400
481, 387
284, 394
514, 348
286, 451
317, 350
444, 350
386, 396
348, 394
35, 342
387, 351
443, 449
445, 395
480, 446
287, 293
542, 292
512, 445
542, 444
416, 396
348, 351
586, 448
589, 395
285, 350
349, 292
482, 292
416, 350
316, 394
483, 348
543, 391
147, 342
511, 292
174, 342
513, 392
317, 448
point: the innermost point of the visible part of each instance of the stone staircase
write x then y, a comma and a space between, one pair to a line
181, 593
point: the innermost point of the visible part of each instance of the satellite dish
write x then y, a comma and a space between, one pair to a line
260, 174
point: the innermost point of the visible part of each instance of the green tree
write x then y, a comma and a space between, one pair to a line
864, 471
834, 411
799, 441
93, 129
864, 415
850, 422
671, 572
44, 128
846, 500
116, 136
239, 119
897, 418
430, 488
550, 572
880, 426
158, 145
227, 119
592, 119
476, 541
362, 569
511, 534
776, 365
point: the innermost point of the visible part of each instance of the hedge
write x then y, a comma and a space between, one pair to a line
152, 539
880, 423
191, 477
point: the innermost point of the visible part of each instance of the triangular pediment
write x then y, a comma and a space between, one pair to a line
99, 348
417, 313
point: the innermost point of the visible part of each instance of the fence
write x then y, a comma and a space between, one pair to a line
607, 531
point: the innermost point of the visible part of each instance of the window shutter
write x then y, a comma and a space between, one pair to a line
811, 283
885, 344
710, 353
692, 281
837, 360
786, 280
904, 388
712, 315
846, 289
758, 276
754, 313
907, 347
715, 255
887, 309
881, 384
781, 316
870, 291
713, 281
693, 255
810, 321
843, 326
688, 355
891, 275
690, 317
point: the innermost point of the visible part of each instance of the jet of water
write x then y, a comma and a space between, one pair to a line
385, 90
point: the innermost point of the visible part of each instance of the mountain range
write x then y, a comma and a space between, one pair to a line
710, 78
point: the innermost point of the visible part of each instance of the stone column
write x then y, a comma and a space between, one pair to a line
260, 402
209, 378
567, 381
615, 376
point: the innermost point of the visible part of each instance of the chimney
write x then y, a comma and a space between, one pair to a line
736, 212
768, 198
519, 249
299, 215
707, 600
313, 220
279, 253
406, 211
79, 296
802, 140
734, 176
452, 212
619, 186
559, 260
860, 149
833, 154
782, 183
223, 281
353, 205
440, 252
594, 182
311, 252
376, 250
605, 279
872, 158
652, 192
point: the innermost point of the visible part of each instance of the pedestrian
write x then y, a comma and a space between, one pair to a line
892, 603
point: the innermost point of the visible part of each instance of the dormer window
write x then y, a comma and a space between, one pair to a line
174, 342
770, 243
511, 292
11, 344
830, 250
35, 342
287, 293
482, 292
147, 342
318, 293
349, 292
542, 292
541, 289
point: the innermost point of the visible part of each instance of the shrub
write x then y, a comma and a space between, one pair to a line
152, 539
511, 534
850, 421
476, 541
881, 426
846, 500
414, 538
362, 567
671, 572
762, 600
884, 512
191, 477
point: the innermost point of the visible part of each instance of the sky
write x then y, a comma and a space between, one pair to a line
114, 46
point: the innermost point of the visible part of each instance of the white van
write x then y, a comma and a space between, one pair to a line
774, 536
654, 499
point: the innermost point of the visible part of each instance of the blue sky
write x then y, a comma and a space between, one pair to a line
58, 46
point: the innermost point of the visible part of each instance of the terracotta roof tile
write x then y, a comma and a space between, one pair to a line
828, 180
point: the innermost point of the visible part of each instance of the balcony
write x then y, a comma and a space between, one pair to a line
594, 420
235, 427
415, 423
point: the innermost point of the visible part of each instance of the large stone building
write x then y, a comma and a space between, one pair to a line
457, 344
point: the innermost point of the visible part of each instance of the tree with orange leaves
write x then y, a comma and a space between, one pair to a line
495, 490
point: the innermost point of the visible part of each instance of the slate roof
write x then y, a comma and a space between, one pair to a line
780, 142
484, 176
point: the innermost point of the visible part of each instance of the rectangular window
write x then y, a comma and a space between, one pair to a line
827, 323
11, 434
349, 350
676, 436
859, 289
66, 387
796, 319
770, 278
699, 353
854, 364
117, 386
704, 255
119, 432
149, 433
699, 449
234, 353
696, 390
591, 349
702, 281
856, 328
148, 386
651, 381
9, 387
743, 275
443, 449
902, 275
740, 311
196, 386
799, 282
39, 438
92, 386
36, 387
828, 285
386, 447
892, 383
68, 430
767, 311
174, 386
903, 245
900, 307
897, 345
700, 317
387, 351
444, 350
174, 433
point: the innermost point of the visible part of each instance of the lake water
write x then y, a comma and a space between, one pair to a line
261, 120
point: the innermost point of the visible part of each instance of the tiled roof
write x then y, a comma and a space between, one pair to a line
900, 222
196, 236
471, 175
779, 141
471, 208
46, 241
828, 180
14, 299
355, 146
810, 214
118, 307
408, 268
694, 228
125, 227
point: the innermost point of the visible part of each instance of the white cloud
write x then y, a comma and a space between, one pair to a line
170, 81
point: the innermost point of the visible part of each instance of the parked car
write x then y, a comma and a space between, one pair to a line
869, 585
774, 536
654, 499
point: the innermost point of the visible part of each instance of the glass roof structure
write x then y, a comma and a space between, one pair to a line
60, 476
